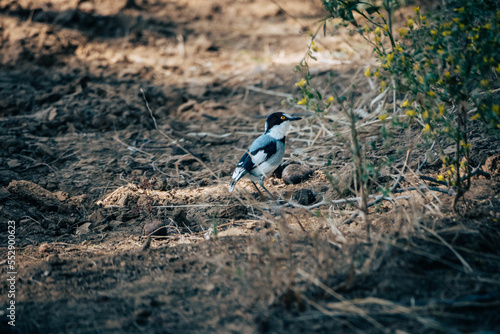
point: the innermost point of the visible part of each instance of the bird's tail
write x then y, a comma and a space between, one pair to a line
238, 173
232, 183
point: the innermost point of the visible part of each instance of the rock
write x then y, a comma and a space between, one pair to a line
14, 163
31, 192
83, 229
155, 228
43, 248
96, 217
294, 174
304, 197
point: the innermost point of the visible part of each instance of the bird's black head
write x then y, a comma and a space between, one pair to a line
277, 119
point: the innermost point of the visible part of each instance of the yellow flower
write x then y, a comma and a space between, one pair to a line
466, 146
495, 109
314, 47
303, 101
425, 114
497, 69
487, 26
420, 79
460, 10
484, 82
427, 128
403, 32
301, 83
367, 72
405, 104
390, 57
441, 109
456, 19
399, 48
440, 177
416, 67
447, 74
385, 27
433, 32
410, 23
411, 113
475, 117
461, 25
330, 99
440, 51
377, 31
416, 9
383, 117
431, 93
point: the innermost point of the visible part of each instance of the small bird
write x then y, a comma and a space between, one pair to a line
265, 153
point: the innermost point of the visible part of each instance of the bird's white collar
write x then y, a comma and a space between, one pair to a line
278, 132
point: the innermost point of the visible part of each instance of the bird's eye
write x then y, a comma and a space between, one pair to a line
283, 117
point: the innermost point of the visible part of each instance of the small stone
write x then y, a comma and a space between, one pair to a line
155, 228
14, 163
96, 217
44, 247
304, 197
294, 174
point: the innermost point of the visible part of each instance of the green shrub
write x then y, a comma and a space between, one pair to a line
446, 65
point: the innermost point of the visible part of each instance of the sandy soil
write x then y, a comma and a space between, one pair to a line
88, 170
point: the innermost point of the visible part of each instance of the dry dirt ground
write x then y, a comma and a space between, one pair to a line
87, 171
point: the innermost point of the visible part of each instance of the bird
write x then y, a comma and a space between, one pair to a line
266, 152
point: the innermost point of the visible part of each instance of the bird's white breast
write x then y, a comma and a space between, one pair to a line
279, 131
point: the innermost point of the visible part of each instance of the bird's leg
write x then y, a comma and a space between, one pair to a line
262, 197
261, 182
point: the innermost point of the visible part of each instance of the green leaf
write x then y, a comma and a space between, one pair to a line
372, 9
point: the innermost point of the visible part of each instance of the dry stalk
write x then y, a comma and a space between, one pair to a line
467, 267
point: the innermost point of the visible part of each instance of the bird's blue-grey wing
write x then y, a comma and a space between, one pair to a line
261, 159
250, 160
268, 153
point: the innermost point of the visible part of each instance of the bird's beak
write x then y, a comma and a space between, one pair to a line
292, 118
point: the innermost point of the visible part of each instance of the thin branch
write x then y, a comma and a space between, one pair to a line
467, 267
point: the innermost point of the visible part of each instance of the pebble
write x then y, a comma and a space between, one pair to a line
304, 197
294, 174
